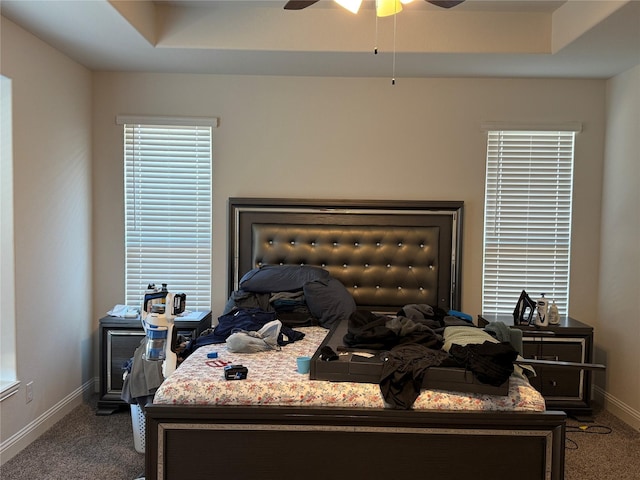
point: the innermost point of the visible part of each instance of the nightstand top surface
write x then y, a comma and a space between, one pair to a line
566, 322
193, 317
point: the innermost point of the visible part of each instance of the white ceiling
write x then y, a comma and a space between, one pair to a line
574, 38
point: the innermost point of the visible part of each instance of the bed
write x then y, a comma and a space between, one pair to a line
387, 254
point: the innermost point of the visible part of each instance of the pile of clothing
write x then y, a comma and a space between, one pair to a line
420, 337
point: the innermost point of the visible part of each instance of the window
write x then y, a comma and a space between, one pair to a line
8, 371
168, 177
527, 217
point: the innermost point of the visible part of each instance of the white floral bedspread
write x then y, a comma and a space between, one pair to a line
274, 380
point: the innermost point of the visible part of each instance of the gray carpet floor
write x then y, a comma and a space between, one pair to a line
85, 446
81, 446
607, 449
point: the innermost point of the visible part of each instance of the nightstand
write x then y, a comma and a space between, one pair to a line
119, 338
567, 389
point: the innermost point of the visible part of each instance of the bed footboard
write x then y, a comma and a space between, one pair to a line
293, 443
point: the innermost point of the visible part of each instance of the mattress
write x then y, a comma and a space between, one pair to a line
273, 379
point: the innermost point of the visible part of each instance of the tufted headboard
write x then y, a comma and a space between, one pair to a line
387, 253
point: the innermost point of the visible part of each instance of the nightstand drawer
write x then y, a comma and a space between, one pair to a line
121, 344
557, 383
564, 349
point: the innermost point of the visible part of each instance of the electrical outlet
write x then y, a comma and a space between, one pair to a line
29, 391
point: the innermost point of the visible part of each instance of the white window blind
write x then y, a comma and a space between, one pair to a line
527, 221
168, 178
9, 383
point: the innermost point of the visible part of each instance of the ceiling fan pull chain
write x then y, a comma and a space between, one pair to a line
393, 73
375, 42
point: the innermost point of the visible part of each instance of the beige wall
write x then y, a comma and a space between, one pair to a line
618, 326
52, 212
349, 138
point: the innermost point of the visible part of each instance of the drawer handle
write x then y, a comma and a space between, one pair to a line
553, 358
553, 383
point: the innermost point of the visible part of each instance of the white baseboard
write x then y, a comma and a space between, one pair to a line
618, 408
23, 438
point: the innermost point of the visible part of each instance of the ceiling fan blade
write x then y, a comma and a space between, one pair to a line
299, 4
446, 3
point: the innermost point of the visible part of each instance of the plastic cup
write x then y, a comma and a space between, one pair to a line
304, 364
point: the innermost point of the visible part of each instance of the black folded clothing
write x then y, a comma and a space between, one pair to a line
403, 373
490, 362
369, 330
327, 354
381, 332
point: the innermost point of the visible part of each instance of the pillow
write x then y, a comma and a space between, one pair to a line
281, 278
329, 301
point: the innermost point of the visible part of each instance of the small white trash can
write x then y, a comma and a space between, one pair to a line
138, 420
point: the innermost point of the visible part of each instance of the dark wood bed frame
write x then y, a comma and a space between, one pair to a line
388, 254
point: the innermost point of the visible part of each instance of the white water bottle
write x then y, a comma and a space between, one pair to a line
542, 305
554, 317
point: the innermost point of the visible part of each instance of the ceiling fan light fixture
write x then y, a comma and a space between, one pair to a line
385, 8
352, 5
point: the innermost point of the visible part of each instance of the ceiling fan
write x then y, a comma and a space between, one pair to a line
300, 4
384, 8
